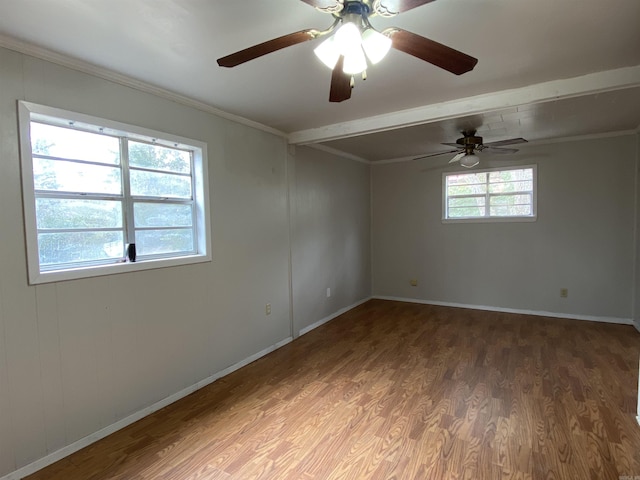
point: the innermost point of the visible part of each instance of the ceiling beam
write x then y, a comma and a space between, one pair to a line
542, 92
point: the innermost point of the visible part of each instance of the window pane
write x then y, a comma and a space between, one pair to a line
152, 242
510, 200
151, 184
467, 202
69, 247
511, 175
64, 213
162, 215
74, 144
467, 179
467, 190
159, 158
62, 176
510, 211
524, 186
464, 212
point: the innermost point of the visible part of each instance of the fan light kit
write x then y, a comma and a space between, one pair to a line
469, 160
352, 40
354, 43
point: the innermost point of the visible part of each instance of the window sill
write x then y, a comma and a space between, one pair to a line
490, 220
114, 268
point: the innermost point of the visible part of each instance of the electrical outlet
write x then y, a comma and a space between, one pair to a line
328, 292
564, 292
413, 282
267, 309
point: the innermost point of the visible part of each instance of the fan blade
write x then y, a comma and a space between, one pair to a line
457, 157
436, 154
452, 144
323, 4
340, 83
267, 47
432, 52
511, 141
501, 150
399, 6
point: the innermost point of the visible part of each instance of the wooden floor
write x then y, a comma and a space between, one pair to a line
400, 391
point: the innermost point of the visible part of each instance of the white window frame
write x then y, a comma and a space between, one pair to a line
495, 219
28, 112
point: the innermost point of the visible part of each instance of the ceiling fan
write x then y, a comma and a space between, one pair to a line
469, 143
355, 40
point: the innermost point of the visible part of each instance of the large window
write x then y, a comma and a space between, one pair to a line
490, 195
102, 197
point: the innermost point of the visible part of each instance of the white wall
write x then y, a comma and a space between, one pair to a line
78, 356
582, 240
331, 225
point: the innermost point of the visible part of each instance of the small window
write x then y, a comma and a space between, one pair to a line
490, 195
102, 197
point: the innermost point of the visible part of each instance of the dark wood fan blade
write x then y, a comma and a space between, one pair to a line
436, 154
511, 141
432, 52
398, 6
340, 83
263, 48
493, 149
322, 4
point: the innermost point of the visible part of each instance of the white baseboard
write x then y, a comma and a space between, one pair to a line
590, 318
100, 434
324, 320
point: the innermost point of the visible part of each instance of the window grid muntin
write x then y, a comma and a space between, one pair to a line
488, 195
128, 227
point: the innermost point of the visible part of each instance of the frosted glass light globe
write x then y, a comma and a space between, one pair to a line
375, 44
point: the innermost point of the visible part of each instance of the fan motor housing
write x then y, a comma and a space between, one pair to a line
469, 140
355, 7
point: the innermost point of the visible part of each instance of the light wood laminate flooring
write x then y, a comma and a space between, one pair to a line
395, 390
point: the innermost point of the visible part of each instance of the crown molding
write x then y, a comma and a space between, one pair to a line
42, 53
339, 153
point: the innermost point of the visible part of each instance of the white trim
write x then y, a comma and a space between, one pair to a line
100, 72
406, 159
638, 402
634, 264
339, 153
289, 163
592, 83
539, 313
371, 229
637, 325
104, 432
324, 320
